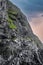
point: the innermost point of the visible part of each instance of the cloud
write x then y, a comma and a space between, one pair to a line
37, 26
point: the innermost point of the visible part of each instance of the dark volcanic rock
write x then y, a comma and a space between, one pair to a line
18, 44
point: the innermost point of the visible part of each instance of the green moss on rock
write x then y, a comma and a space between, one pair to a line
11, 25
12, 12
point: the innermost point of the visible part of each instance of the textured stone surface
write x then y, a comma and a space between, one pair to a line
18, 44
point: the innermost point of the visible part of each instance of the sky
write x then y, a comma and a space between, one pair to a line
33, 9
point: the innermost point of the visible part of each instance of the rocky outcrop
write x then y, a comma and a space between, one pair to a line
18, 44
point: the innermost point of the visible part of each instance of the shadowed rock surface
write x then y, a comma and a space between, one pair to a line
18, 44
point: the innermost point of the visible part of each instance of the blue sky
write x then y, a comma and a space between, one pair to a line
29, 5
34, 12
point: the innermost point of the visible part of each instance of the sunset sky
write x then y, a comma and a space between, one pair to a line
33, 9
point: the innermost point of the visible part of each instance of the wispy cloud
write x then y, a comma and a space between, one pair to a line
36, 22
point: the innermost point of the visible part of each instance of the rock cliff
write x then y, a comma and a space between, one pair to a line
18, 44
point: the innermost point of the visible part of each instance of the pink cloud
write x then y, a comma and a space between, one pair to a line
37, 26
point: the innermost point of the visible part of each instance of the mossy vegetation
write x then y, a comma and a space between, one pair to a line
11, 18
11, 11
11, 24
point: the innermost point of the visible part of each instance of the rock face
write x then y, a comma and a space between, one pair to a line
18, 44
3, 9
